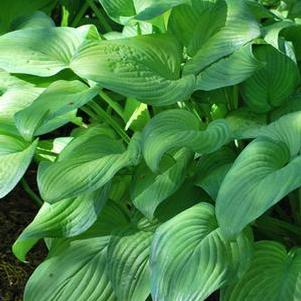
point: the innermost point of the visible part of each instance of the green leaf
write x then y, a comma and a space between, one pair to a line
60, 98
240, 28
128, 263
174, 129
150, 189
15, 157
245, 124
84, 277
86, 164
274, 275
229, 71
212, 169
40, 51
15, 95
66, 218
11, 12
123, 11
143, 67
252, 185
190, 259
270, 86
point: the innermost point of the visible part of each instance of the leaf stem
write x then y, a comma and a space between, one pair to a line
115, 106
100, 16
104, 116
80, 14
35, 198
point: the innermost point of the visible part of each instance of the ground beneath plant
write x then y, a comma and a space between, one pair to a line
16, 212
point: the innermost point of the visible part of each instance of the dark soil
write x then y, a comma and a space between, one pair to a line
16, 212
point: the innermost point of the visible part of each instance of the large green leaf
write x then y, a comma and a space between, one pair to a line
274, 275
174, 129
123, 11
74, 271
229, 71
11, 12
190, 259
86, 164
58, 99
40, 51
128, 263
143, 67
15, 157
66, 218
150, 189
240, 28
265, 171
271, 85
15, 95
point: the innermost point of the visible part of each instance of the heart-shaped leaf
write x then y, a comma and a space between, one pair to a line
66, 218
143, 67
252, 185
86, 164
190, 258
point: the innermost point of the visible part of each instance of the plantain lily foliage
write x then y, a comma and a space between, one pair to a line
166, 136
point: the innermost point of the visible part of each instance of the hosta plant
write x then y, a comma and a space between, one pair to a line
166, 136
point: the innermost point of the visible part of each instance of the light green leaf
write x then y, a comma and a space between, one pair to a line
239, 29
60, 98
15, 157
10, 12
271, 85
190, 259
84, 277
128, 263
40, 51
229, 71
123, 11
36, 20
212, 169
150, 189
143, 67
15, 95
86, 164
66, 218
252, 185
174, 129
274, 275
136, 114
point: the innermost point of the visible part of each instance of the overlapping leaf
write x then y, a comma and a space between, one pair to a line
84, 265
123, 11
229, 71
15, 95
128, 263
190, 259
150, 189
222, 39
58, 99
174, 129
66, 218
252, 184
86, 164
41, 51
274, 275
144, 67
270, 86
